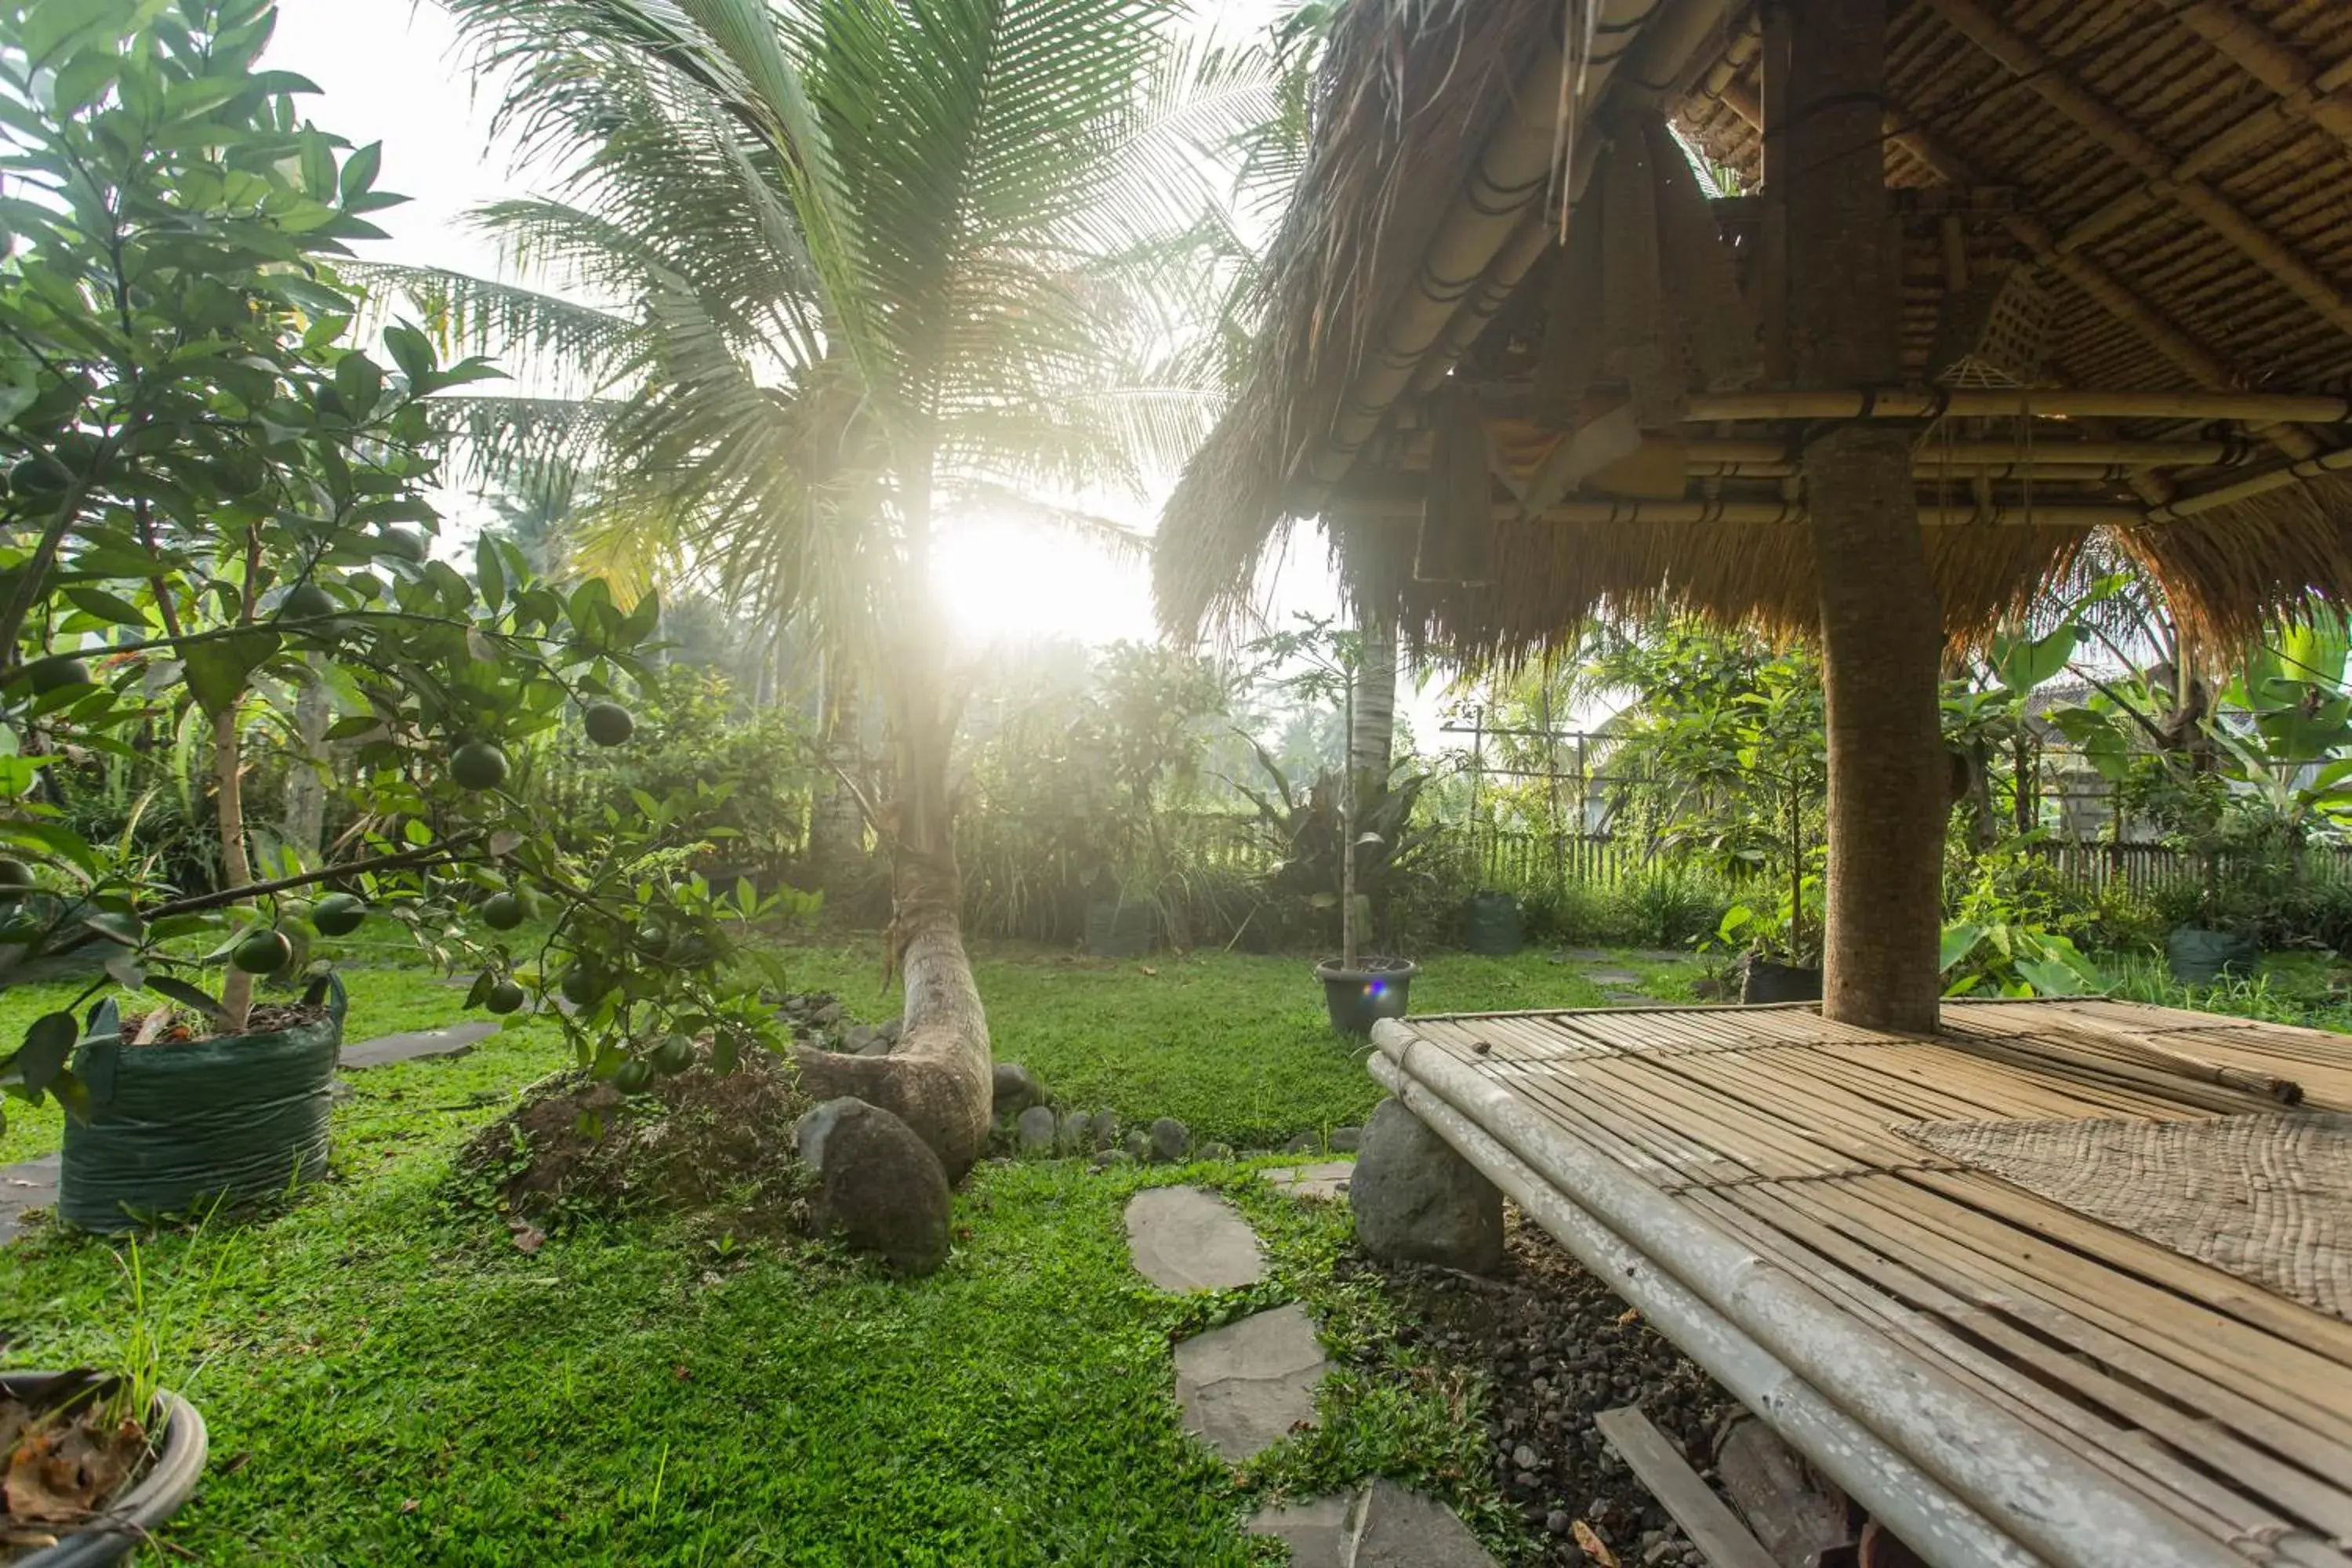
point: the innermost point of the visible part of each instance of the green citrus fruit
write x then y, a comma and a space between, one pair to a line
505, 997
404, 544
56, 673
673, 1056
693, 950
263, 952
652, 938
580, 985
14, 873
338, 914
478, 765
609, 723
307, 602
634, 1076
36, 477
502, 911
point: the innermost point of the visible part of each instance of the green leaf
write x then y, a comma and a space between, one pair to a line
187, 995
490, 575
107, 607
48, 1041
1960, 938
360, 171
219, 671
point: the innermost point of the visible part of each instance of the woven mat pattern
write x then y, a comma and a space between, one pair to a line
2268, 1198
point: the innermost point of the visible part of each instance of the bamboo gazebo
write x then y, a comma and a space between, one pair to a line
1861, 319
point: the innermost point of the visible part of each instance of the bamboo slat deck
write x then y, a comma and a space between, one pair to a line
2228, 1405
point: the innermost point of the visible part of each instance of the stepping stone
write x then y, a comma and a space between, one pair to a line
1243, 1387
30, 1185
1326, 1180
1399, 1529
454, 1040
1320, 1534
1612, 977
1629, 999
1183, 1239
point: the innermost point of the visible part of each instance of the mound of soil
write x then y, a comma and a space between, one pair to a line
1556, 1347
715, 1149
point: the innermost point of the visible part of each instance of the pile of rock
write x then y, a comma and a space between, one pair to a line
819, 1020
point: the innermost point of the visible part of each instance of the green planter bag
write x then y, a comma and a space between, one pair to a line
172, 1128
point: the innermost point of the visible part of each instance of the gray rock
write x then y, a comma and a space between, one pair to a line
1171, 1140
1078, 1132
1106, 1158
1416, 1200
1244, 1387
1138, 1147
880, 1187
1320, 1533
1016, 1090
864, 1040
1214, 1151
1526, 1458
1106, 1129
826, 1016
1347, 1140
892, 1029
1399, 1529
1180, 1238
1305, 1144
1035, 1129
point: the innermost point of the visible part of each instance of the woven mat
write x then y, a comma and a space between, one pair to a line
2269, 1198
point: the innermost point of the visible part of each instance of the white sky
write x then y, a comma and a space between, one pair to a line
389, 72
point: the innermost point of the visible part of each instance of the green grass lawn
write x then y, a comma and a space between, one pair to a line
1236, 1045
389, 1379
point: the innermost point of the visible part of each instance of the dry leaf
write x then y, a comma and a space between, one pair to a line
151, 1026
1630, 1315
527, 1237
408, 1505
61, 1475
1149, 970
1588, 1540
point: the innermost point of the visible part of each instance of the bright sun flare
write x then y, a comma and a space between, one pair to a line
1007, 581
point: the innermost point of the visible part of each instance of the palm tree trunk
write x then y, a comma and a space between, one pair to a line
938, 1079
1881, 624
1371, 733
837, 822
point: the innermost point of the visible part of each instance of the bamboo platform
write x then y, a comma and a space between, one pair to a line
2225, 1404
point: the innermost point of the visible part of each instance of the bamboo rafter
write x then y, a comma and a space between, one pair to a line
2035, 70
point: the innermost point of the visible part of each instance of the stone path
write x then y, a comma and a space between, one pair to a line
1245, 1386
454, 1040
30, 1185
1182, 1239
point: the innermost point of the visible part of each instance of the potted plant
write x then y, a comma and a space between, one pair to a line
1370, 820
105, 1460
225, 494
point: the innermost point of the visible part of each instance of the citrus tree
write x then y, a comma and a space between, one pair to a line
216, 492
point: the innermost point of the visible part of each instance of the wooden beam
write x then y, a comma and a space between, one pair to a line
1658, 1465
1964, 513
2276, 478
2136, 150
2038, 402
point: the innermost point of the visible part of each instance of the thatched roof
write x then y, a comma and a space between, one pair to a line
2110, 195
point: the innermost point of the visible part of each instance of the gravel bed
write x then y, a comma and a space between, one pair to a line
1557, 1348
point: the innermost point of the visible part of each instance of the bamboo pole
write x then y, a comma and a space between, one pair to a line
2026, 60
2038, 402
2097, 460
2305, 93
1660, 55
2273, 479
1773, 513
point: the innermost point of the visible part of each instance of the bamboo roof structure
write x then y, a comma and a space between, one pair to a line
1511, 350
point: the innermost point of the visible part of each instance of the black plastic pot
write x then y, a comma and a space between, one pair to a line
1359, 997
143, 1507
2198, 957
1115, 929
1766, 981
174, 1128
1493, 925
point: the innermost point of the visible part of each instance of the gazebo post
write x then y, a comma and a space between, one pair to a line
1880, 622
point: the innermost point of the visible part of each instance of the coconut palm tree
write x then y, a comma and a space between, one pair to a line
860, 265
